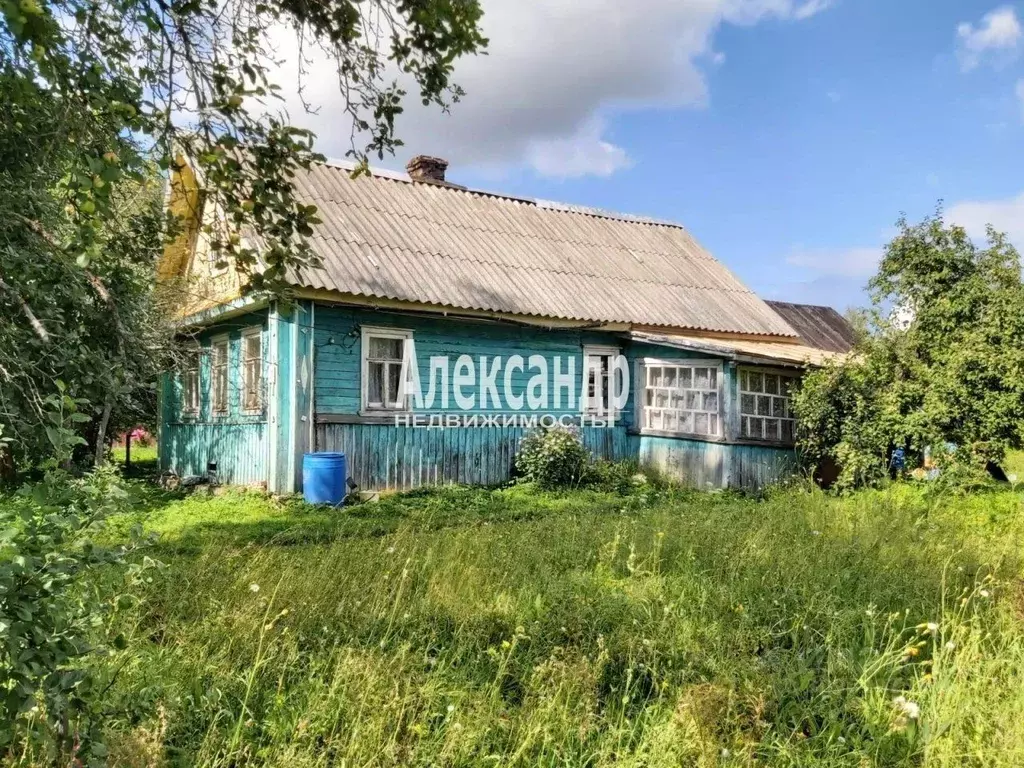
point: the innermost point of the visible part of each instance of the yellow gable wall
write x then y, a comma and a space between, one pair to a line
186, 271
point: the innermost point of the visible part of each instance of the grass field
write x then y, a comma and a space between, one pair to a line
512, 627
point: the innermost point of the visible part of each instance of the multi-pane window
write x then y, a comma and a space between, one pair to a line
765, 408
219, 376
190, 382
682, 398
252, 370
382, 368
602, 378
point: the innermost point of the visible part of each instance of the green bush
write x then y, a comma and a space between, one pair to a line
52, 621
553, 457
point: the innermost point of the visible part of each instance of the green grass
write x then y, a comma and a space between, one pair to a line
512, 627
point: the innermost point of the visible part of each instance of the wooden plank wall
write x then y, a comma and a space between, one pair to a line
717, 465
240, 451
401, 458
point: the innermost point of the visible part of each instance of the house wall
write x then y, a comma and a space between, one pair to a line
383, 455
236, 441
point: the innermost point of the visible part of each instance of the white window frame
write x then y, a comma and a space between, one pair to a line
215, 342
741, 416
192, 369
248, 333
640, 398
600, 408
386, 333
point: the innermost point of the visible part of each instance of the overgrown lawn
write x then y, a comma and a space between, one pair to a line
513, 627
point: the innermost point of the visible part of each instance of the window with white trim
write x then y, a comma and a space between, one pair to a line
682, 398
189, 379
765, 409
252, 370
219, 376
383, 349
602, 378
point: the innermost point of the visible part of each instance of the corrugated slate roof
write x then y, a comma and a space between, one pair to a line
385, 236
817, 326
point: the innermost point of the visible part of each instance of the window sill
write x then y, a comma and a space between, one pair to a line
678, 435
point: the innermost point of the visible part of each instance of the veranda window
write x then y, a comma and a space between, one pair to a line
682, 398
765, 408
252, 370
383, 349
219, 376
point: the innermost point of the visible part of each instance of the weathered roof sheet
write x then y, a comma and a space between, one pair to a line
387, 237
817, 326
751, 351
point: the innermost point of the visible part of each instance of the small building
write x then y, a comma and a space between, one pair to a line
444, 323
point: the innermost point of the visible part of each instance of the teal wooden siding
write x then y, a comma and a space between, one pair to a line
401, 458
239, 451
703, 464
386, 456
339, 343
235, 441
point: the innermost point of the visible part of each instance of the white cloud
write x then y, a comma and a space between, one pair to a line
995, 38
842, 262
1005, 215
553, 69
584, 153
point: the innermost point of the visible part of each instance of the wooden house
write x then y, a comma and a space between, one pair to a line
553, 306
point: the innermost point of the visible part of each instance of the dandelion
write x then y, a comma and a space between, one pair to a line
908, 709
254, 587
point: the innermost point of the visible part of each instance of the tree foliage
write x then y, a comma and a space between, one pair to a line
942, 361
99, 98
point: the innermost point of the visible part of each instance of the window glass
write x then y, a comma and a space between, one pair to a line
601, 376
219, 376
190, 383
683, 399
765, 411
383, 370
252, 371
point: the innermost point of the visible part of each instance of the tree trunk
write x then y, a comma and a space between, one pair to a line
127, 449
101, 434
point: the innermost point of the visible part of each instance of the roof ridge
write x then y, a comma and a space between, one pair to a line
549, 205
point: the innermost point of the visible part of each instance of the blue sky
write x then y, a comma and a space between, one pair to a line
786, 135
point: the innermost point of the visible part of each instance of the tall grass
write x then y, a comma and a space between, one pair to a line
510, 627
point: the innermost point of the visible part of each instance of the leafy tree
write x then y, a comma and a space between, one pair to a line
942, 361
96, 96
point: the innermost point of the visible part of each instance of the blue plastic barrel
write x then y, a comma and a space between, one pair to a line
323, 478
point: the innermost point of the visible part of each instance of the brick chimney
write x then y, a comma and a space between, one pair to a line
426, 168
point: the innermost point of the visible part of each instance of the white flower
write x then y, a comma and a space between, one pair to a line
950, 645
391, 550
984, 593
841, 740
254, 587
932, 627
725, 752
451, 708
815, 533
907, 708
